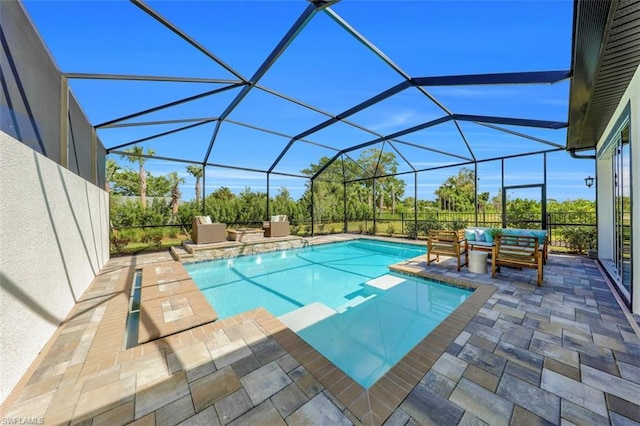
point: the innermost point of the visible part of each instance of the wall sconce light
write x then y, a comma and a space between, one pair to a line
589, 181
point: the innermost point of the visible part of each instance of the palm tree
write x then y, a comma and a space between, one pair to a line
197, 172
135, 156
175, 181
111, 170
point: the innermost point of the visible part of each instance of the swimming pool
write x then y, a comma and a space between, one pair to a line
338, 297
332, 274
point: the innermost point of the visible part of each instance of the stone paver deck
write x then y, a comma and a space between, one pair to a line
514, 353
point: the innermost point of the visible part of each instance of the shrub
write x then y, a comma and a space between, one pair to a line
361, 228
173, 232
156, 237
133, 235
119, 242
579, 238
458, 224
321, 227
295, 229
390, 229
147, 235
424, 226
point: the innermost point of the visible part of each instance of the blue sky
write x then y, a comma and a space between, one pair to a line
329, 69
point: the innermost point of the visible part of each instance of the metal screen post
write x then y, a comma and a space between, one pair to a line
204, 187
544, 192
64, 122
373, 199
346, 222
504, 198
475, 188
267, 212
312, 210
415, 203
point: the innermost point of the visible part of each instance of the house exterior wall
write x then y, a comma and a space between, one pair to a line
605, 188
55, 239
54, 224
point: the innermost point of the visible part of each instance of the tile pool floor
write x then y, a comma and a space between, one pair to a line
517, 354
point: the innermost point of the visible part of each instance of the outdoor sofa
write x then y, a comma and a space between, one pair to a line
483, 238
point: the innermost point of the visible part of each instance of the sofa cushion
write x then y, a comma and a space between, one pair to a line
206, 220
275, 219
540, 234
470, 234
488, 236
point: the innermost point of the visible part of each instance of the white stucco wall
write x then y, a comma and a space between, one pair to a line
54, 238
604, 189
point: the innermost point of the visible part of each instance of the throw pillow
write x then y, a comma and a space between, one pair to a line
207, 220
469, 234
480, 235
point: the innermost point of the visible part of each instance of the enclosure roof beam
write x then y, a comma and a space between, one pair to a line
273, 132
463, 164
153, 157
464, 139
524, 122
363, 105
522, 135
326, 165
401, 155
155, 15
130, 77
345, 154
168, 105
382, 139
282, 45
159, 135
158, 122
532, 77
437, 151
380, 54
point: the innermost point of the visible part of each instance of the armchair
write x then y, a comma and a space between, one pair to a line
203, 231
278, 226
447, 243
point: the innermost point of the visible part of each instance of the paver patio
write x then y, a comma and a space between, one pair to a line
520, 354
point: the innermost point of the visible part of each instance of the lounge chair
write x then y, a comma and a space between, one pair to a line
447, 243
203, 231
278, 226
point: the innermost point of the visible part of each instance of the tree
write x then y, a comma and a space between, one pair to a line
457, 193
197, 172
112, 169
175, 181
135, 156
381, 164
127, 182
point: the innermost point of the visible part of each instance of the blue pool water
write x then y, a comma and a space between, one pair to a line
332, 274
369, 330
367, 340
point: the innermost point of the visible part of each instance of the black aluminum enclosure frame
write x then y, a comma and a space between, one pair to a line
245, 85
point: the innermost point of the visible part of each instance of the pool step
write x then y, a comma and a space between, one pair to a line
384, 283
354, 302
306, 316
